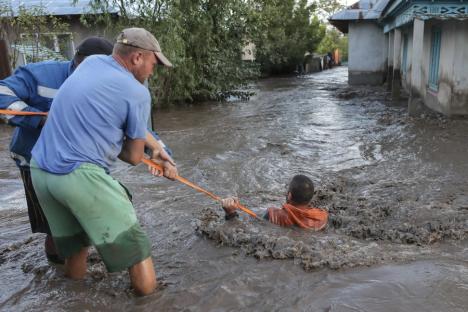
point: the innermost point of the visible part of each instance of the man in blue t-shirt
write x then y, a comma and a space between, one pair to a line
98, 115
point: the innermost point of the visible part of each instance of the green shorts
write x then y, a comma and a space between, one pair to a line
88, 207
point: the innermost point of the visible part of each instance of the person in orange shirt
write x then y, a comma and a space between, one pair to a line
296, 211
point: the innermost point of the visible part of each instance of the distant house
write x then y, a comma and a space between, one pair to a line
53, 44
421, 46
248, 52
27, 53
367, 45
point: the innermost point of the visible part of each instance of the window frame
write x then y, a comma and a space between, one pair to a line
434, 58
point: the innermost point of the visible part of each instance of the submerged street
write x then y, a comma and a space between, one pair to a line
396, 188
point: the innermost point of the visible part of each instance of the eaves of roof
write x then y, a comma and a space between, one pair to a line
53, 7
362, 10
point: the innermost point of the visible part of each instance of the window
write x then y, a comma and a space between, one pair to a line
404, 62
434, 59
45, 46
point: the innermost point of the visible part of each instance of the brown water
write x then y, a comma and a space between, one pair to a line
396, 188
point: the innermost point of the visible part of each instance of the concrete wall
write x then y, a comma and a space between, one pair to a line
313, 64
440, 100
367, 53
389, 38
453, 81
369, 50
451, 98
406, 75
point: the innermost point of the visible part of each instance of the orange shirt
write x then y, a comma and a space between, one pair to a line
305, 217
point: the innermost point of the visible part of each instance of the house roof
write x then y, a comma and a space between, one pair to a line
361, 10
401, 12
392, 14
55, 7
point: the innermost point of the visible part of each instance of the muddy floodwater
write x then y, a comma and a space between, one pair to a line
396, 188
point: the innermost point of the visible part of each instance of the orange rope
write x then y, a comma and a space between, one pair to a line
144, 160
196, 187
21, 113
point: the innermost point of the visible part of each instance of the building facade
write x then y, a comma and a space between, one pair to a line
424, 50
25, 47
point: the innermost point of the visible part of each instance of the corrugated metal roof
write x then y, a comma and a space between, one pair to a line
362, 10
54, 7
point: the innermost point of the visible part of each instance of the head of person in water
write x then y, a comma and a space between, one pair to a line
91, 46
300, 191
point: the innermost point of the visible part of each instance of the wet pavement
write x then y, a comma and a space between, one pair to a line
396, 188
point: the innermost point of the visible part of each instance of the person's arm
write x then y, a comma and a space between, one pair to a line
161, 157
157, 148
132, 151
160, 141
15, 92
135, 133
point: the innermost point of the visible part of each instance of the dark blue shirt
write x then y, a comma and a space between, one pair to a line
31, 88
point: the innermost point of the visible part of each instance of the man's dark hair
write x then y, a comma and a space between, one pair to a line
301, 189
92, 46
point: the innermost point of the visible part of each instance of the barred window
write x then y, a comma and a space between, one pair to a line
434, 59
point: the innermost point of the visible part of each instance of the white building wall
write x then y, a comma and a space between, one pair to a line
440, 99
452, 94
457, 32
406, 75
410, 55
367, 53
451, 98
425, 53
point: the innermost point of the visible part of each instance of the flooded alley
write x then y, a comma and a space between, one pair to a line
396, 188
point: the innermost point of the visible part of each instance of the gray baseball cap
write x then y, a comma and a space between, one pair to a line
143, 39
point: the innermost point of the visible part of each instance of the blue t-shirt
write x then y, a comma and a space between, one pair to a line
99, 104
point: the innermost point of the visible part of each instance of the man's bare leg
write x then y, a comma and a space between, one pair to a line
143, 277
76, 266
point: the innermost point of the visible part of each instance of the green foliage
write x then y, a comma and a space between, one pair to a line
30, 29
211, 35
334, 40
283, 31
204, 39
328, 7
343, 47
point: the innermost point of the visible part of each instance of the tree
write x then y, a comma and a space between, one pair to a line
326, 8
333, 40
202, 38
29, 29
283, 31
